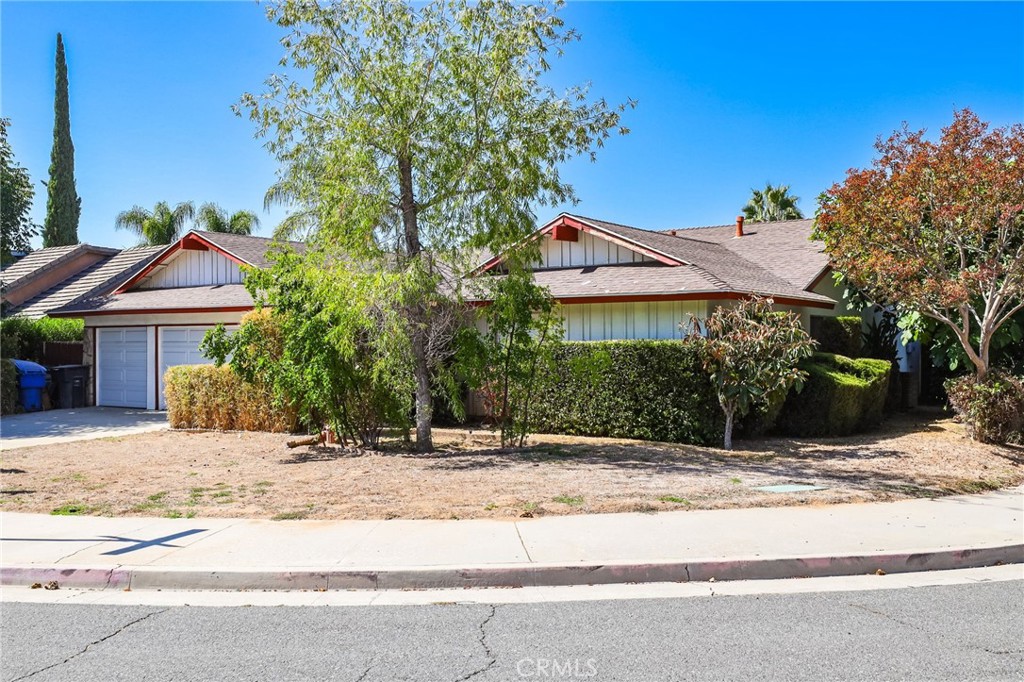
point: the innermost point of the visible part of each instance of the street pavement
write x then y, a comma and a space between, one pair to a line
587, 549
84, 423
956, 632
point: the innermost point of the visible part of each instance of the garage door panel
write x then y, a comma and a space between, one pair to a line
123, 356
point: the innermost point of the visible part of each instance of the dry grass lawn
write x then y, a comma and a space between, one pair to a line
184, 474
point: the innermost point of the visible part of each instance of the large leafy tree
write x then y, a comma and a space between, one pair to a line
16, 193
752, 353
63, 205
423, 131
162, 225
936, 228
772, 203
213, 218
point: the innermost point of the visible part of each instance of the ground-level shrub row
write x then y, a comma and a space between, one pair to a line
840, 396
652, 390
208, 397
9, 402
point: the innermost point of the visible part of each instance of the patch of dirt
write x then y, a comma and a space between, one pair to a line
185, 474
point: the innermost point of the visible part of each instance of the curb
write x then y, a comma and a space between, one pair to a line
519, 575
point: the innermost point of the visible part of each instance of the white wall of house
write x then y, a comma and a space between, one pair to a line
587, 250
634, 320
188, 268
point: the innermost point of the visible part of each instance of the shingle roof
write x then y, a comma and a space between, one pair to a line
253, 250
95, 280
784, 248
775, 261
37, 262
156, 300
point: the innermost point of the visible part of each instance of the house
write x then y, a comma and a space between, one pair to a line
620, 282
157, 318
58, 276
613, 281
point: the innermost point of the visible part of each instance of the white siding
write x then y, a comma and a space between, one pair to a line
194, 268
588, 250
614, 321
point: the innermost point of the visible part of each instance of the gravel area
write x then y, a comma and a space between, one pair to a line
185, 474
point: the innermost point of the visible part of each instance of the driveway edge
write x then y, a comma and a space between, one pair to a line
509, 576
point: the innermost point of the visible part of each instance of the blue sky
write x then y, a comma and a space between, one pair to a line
730, 95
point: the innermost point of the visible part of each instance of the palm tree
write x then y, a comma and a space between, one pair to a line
771, 204
213, 218
162, 225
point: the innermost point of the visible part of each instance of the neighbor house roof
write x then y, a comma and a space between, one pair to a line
36, 263
97, 279
780, 261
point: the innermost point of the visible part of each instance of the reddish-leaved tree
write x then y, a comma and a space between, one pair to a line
937, 227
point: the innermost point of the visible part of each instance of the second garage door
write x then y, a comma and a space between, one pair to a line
180, 346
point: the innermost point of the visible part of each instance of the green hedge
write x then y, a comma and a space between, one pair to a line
209, 397
9, 402
841, 396
652, 390
22, 338
840, 335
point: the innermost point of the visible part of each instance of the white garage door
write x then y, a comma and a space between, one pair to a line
180, 346
121, 375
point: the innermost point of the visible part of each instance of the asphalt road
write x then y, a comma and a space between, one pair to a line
959, 632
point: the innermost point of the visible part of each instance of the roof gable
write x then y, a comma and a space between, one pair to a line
204, 258
566, 228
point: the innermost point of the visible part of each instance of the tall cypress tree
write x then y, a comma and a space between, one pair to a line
63, 204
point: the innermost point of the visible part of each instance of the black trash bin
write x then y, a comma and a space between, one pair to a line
70, 382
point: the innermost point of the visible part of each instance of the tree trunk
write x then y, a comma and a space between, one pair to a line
728, 429
417, 325
424, 403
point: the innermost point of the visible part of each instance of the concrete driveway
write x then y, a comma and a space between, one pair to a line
84, 423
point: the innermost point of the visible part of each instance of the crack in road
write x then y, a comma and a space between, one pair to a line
92, 644
366, 672
492, 659
926, 631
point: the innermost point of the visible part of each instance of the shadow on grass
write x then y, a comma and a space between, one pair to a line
829, 462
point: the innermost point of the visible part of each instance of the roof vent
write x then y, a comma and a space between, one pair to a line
672, 232
739, 226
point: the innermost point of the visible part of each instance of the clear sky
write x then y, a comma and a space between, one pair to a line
730, 95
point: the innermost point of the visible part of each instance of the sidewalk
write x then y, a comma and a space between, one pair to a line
783, 542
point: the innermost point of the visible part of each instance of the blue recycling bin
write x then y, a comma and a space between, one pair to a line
31, 384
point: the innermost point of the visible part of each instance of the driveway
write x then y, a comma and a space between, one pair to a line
85, 423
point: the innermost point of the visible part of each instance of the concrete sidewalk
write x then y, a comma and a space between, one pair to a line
914, 535
81, 423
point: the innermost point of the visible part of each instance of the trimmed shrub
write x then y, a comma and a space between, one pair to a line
9, 402
22, 338
840, 335
209, 397
652, 390
992, 409
841, 396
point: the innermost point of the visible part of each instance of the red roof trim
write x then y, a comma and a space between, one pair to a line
607, 235
700, 296
185, 242
152, 311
